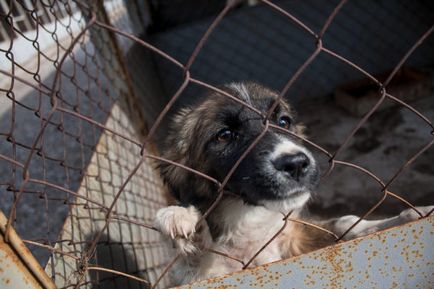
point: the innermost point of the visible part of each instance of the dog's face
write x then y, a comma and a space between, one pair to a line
279, 172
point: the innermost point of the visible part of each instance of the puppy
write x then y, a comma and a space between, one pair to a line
275, 179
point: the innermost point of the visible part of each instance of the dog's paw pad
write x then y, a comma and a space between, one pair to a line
411, 215
176, 221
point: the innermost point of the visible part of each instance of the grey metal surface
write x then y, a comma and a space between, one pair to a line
401, 257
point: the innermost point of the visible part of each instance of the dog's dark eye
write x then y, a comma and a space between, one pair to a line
225, 135
284, 122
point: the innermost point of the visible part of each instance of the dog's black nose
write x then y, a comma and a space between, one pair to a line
296, 165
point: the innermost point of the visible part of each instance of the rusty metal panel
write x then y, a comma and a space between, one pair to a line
401, 257
18, 267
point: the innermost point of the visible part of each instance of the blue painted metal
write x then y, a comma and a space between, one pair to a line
401, 257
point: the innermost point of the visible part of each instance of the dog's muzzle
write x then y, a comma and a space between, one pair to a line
293, 162
295, 166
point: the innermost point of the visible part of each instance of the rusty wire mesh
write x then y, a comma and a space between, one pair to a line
87, 126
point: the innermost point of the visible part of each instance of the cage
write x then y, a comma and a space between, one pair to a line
87, 91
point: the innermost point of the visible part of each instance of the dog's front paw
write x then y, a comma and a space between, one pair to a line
180, 224
409, 215
176, 221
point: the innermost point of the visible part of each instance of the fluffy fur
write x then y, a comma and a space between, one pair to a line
277, 177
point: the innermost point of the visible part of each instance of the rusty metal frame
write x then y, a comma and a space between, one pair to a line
18, 267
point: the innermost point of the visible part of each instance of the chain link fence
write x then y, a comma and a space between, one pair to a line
77, 177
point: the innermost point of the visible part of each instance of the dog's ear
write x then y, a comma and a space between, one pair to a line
177, 143
181, 183
182, 127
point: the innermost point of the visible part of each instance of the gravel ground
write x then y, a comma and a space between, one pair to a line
382, 145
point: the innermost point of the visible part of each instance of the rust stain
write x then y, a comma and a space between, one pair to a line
11, 256
225, 286
331, 255
6, 280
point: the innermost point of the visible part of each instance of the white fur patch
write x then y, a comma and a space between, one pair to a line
242, 91
285, 146
287, 205
366, 227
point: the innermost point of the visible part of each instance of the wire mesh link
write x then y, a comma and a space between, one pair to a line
87, 106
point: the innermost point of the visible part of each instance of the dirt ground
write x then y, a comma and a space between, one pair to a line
389, 138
